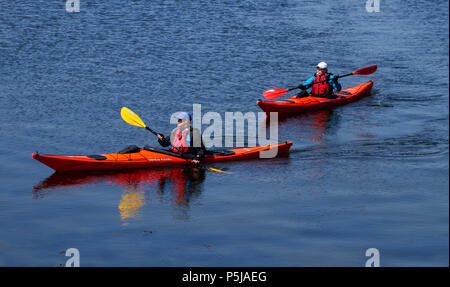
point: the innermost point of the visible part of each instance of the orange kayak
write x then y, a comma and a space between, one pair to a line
293, 105
150, 157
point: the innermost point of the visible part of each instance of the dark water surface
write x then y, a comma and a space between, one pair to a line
373, 173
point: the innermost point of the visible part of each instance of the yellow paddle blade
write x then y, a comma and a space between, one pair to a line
218, 170
130, 117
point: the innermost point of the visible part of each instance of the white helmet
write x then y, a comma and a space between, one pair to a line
322, 65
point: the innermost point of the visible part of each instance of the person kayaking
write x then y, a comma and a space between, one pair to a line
324, 89
183, 139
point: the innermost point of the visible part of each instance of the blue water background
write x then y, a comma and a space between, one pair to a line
373, 173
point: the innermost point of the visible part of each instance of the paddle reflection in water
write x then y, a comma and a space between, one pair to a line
182, 182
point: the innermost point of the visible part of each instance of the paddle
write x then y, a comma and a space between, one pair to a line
130, 117
276, 93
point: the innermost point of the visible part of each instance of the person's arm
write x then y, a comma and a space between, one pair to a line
163, 141
306, 84
334, 82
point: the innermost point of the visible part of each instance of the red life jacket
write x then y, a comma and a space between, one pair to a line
179, 144
322, 89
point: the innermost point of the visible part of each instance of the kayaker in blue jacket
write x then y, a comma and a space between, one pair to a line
327, 83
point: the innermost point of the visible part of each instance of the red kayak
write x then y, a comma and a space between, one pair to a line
150, 157
293, 105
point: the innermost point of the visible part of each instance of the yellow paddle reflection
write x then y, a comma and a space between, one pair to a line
133, 198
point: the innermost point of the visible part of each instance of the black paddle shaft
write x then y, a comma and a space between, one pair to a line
152, 131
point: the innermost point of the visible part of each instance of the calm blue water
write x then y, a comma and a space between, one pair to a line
370, 174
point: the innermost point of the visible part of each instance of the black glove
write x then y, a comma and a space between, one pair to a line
335, 78
165, 142
301, 87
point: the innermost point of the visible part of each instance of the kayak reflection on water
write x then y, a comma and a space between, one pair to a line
311, 126
184, 183
311, 130
316, 125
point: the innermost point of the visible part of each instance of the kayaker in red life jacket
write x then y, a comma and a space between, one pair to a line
324, 89
181, 140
